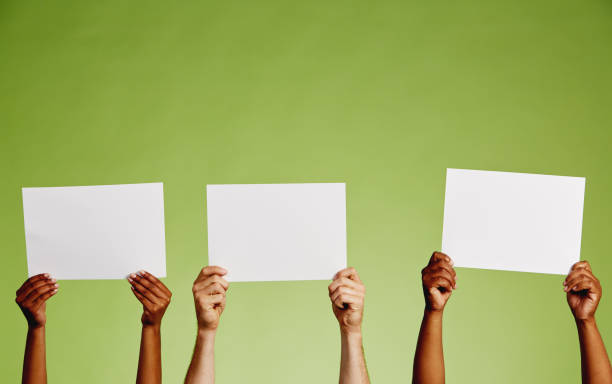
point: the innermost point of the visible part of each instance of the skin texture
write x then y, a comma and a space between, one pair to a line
583, 292
439, 281
209, 290
347, 294
155, 298
32, 297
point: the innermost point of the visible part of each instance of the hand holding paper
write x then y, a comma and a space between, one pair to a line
439, 281
583, 291
347, 294
152, 294
32, 297
209, 290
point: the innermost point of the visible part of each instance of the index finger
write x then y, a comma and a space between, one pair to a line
349, 272
32, 280
581, 265
439, 256
156, 281
212, 270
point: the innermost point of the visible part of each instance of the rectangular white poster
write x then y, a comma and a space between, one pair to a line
513, 221
95, 232
273, 232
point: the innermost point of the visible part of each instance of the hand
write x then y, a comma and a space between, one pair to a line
438, 281
583, 291
209, 290
347, 294
154, 296
32, 297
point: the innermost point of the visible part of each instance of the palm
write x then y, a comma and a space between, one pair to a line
582, 304
37, 316
211, 317
40, 314
438, 297
348, 317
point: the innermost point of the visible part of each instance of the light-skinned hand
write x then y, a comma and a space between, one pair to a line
347, 294
209, 290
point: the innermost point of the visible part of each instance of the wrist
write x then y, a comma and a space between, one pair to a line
207, 333
36, 327
350, 333
586, 322
151, 327
434, 313
351, 339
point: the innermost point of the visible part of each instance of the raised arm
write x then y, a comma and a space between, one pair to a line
347, 294
31, 298
155, 298
438, 284
209, 291
583, 295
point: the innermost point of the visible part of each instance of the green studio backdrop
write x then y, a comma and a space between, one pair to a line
382, 95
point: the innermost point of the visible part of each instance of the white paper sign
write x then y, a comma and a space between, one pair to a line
273, 232
95, 232
513, 221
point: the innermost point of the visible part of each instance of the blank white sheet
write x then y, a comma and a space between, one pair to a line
513, 221
95, 232
275, 232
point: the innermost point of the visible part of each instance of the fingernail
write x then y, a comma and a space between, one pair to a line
133, 276
141, 272
53, 280
46, 275
56, 285
130, 279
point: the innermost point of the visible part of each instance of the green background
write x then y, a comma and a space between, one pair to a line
381, 95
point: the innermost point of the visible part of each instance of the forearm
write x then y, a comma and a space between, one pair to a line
352, 364
594, 358
149, 362
429, 357
35, 360
202, 367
